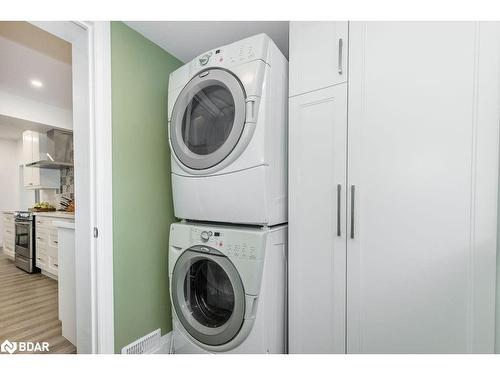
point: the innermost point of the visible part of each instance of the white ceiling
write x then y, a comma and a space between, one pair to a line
12, 128
187, 39
27, 53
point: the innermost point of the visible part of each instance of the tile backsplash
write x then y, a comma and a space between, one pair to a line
67, 182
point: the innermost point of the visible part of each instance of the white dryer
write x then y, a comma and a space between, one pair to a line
228, 288
227, 112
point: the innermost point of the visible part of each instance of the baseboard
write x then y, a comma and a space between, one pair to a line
164, 347
48, 274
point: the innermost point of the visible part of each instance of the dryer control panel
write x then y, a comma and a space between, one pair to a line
246, 50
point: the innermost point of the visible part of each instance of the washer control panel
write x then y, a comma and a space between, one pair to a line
237, 245
213, 238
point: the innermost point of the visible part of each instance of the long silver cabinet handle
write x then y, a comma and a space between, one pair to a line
339, 189
341, 50
353, 189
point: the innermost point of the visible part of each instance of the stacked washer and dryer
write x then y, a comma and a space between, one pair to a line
227, 115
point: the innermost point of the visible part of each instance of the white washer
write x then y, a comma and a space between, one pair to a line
227, 112
228, 288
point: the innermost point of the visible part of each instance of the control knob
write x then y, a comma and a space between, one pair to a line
204, 59
205, 236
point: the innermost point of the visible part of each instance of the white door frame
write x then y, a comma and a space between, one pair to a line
91, 59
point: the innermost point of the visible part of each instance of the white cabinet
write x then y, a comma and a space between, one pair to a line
418, 220
37, 178
318, 55
8, 235
318, 125
46, 245
67, 280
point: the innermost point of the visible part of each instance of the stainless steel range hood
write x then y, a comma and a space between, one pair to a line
56, 150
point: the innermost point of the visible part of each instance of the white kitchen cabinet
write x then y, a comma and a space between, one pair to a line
67, 280
52, 254
46, 246
317, 136
37, 178
421, 205
318, 55
8, 245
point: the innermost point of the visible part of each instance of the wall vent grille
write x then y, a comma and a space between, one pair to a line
145, 344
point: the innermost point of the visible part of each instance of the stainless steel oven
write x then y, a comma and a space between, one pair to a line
25, 241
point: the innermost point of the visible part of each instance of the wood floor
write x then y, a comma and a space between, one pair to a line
29, 308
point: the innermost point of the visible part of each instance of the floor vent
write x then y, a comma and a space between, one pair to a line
144, 345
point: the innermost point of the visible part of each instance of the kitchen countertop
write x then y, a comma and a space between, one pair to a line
56, 214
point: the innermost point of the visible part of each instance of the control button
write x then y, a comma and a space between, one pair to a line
205, 236
205, 58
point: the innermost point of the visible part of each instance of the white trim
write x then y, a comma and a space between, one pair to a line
165, 343
92, 107
104, 186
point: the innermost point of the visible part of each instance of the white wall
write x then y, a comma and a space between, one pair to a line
9, 178
36, 112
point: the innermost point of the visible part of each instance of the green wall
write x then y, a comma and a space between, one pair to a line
142, 199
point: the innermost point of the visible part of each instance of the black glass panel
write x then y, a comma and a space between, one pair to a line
208, 119
22, 235
209, 293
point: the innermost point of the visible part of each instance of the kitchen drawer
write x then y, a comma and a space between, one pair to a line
8, 249
43, 221
8, 237
8, 222
8, 218
43, 232
42, 237
53, 240
8, 228
8, 232
42, 261
53, 260
53, 266
9, 243
40, 249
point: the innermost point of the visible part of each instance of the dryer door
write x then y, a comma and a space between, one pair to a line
208, 295
207, 119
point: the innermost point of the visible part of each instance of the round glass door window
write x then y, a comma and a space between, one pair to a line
208, 297
207, 119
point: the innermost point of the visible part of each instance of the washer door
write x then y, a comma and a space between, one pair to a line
208, 296
208, 119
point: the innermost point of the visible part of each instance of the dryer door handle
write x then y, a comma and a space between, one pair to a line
251, 110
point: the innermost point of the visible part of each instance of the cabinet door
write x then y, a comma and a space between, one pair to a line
318, 55
36, 176
52, 260
28, 176
423, 160
317, 237
27, 146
